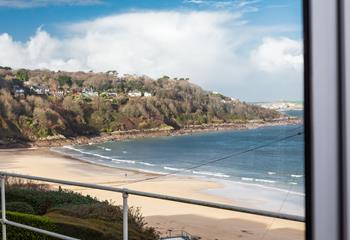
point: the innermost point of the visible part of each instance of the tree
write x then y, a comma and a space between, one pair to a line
65, 80
22, 75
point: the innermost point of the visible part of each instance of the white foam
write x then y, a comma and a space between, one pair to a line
213, 174
247, 179
104, 148
77, 150
154, 172
271, 173
296, 176
101, 156
264, 180
293, 183
147, 164
123, 161
173, 169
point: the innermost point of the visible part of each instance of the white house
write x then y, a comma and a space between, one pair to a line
40, 90
135, 94
90, 92
18, 91
59, 93
112, 94
147, 94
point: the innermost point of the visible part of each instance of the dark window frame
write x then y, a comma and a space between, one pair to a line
327, 113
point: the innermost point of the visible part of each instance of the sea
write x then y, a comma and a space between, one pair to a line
259, 168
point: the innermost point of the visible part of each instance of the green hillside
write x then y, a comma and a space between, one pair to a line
37, 104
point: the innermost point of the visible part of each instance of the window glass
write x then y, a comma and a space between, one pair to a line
198, 99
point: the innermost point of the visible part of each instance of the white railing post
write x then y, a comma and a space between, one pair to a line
3, 208
125, 215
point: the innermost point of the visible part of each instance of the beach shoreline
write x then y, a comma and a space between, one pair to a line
162, 215
59, 141
223, 188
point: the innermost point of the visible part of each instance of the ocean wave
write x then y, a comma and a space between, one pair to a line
147, 164
293, 183
173, 169
101, 156
104, 148
296, 176
271, 173
77, 150
247, 179
154, 172
212, 174
123, 161
264, 180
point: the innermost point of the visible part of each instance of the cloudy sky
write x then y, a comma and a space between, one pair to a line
249, 49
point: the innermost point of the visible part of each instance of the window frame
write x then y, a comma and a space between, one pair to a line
326, 79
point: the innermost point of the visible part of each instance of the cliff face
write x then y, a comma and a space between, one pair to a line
37, 104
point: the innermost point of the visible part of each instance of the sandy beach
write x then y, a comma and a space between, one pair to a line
204, 222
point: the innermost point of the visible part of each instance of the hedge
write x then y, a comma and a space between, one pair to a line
15, 233
20, 207
41, 200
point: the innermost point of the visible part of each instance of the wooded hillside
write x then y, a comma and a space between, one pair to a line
36, 104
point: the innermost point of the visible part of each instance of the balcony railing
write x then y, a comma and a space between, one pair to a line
125, 193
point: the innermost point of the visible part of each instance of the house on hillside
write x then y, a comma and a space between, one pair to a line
135, 94
112, 94
59, 93
112, 73
89, 92
39, 90
18, 91
147, 94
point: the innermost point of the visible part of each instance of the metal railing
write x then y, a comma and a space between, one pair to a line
125, 194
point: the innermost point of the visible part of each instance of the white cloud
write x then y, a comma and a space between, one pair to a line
43, 3
278, 54
204, 46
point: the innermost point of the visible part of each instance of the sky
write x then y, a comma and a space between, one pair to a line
247, 49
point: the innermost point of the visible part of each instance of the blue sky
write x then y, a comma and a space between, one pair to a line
238, 34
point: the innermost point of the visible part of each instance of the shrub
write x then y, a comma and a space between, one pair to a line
43, 199
75, 215
105, 216
20, 207
95, 228
15, 233
103, 211
22, 75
